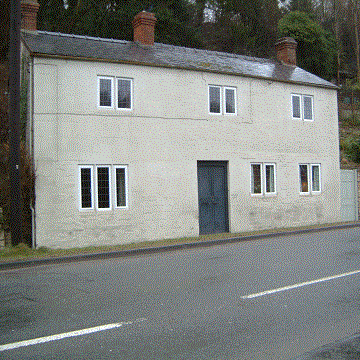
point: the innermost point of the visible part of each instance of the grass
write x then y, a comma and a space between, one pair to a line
23, 252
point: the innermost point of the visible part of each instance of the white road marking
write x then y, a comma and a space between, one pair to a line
66, 335
299, 285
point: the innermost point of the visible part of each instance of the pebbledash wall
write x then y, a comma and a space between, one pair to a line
160, 142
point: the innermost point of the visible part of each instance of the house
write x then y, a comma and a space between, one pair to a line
137, 141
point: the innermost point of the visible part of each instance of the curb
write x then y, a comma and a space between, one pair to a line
165, 248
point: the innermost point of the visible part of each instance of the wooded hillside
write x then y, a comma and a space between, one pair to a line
327, 31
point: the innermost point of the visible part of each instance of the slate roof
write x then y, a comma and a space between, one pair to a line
91, 48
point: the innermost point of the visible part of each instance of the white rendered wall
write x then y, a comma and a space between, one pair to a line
161, 140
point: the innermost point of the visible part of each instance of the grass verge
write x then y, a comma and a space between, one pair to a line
23, 252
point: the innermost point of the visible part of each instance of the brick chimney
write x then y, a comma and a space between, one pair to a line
29, 10
286, 50
144, 25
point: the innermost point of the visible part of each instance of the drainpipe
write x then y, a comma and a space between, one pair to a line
31, 138
33, 227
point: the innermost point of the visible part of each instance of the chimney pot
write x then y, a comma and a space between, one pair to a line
144, 25
29, 10
286, 50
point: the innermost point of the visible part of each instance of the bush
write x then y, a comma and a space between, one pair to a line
352, 120
352, 150
27, 194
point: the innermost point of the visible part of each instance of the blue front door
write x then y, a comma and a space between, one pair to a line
213, 202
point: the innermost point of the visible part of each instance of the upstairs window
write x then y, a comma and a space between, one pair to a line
105, 85
296, 106
222, 100
308, 108
310, 181
302, 107
215, 99
263, 179
122, 95
230, 100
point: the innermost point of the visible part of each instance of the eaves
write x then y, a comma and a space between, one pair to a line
189, 68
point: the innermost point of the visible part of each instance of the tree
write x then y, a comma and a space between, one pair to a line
306, 6
240, 26
4, 28
27, 178
113, 19
316, 51
51, 15
354, 20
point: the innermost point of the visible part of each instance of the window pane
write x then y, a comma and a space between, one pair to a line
103, 185
120, 187
304, 187
255, 178
124, 94
85, 180
296, 106
315, 177
308, 111
105, 92
214, 99
230, 101
270, 178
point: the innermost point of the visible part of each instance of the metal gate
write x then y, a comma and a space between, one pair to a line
349, 195
213, 201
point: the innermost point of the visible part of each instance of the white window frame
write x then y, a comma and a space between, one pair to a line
92, 187
220, 100
292, 106
312, 107
301, 98
307, 179
310, 180
235, 104
114, 92
97, 188
263, 179
252, 180
117, 93
126, 187
111, 95
270, 192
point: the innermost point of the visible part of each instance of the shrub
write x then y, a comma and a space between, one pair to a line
352, 150
352, 120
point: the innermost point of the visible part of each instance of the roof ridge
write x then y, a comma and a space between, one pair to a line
220, 53
82, 37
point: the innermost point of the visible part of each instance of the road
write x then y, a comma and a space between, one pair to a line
207, 303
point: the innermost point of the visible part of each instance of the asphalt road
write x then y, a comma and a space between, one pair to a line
274, 298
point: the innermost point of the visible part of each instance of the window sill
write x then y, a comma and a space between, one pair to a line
264, 195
